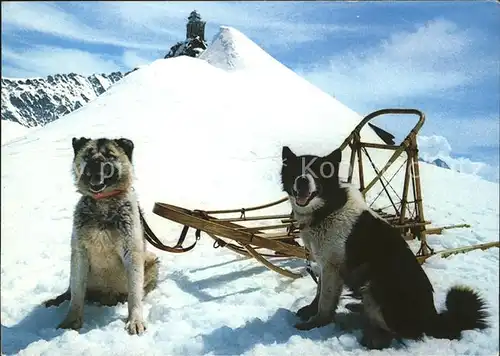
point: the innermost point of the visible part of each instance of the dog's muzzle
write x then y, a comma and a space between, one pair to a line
99, 173
304, 190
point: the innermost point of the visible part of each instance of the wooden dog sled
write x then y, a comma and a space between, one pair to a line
252, 233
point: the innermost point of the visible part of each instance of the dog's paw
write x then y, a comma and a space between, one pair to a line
376, 339
306, 312
314, 322
135, 326
72, 321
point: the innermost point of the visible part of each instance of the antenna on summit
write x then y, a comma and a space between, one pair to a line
194, 44
195, 26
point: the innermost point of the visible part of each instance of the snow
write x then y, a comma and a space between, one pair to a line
105, 83
437, 147
232, 50
12, 131
216, 144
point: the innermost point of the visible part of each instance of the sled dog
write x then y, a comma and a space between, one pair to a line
355, 247
109, 260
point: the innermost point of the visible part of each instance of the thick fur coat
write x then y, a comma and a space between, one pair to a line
355, 247
109, 260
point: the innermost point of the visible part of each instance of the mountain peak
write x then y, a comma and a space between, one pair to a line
232, 50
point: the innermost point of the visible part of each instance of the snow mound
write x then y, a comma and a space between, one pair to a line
207, 137
258, 77
12, 131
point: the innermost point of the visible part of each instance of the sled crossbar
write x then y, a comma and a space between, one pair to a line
247, 241
225, 229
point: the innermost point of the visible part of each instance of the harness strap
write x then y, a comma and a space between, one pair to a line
311, 272
153, 240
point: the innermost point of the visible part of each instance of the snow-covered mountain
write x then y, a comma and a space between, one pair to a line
437, 150
440, 163
37, 101
437, 162
191, 47
216, 144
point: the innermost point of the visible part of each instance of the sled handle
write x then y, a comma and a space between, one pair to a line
371, 116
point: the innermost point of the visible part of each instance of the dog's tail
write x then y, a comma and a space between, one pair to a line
465, 310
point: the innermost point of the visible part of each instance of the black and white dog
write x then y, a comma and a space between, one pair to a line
355, 247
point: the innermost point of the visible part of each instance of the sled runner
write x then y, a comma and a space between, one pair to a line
252, 233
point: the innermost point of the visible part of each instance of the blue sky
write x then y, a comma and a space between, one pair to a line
440, 57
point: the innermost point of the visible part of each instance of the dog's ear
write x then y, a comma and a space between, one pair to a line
78, 143
335, 156
287, 155
126, 145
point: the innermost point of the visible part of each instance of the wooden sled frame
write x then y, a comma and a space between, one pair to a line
277, 235
409, 226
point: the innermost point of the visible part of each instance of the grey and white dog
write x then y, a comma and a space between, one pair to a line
109, 260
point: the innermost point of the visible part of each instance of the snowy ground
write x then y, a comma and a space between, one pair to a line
210, 136
12, 131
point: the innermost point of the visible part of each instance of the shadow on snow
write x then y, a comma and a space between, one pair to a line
41, 324
278, 329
